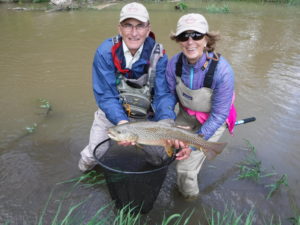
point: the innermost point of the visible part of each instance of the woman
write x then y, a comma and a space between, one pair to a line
202, 81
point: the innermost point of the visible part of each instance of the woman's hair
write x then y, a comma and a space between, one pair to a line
211, 37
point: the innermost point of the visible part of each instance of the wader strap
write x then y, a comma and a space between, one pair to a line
179, 66
208, 76
116, 44
156, 53
136, 94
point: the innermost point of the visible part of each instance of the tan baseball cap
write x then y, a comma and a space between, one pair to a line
192, 21
136, 11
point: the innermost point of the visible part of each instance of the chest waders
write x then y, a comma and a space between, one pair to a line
196, 100
136, 94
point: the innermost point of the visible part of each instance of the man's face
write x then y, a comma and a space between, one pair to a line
134, 33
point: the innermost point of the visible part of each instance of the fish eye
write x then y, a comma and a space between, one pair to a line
119, 132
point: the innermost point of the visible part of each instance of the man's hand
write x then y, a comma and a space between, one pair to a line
125, 143
184, 127
122, 122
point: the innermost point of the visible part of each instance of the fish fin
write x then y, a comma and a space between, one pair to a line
208, 153
212, 153
167, 122
219, 147
216, 147
169, 150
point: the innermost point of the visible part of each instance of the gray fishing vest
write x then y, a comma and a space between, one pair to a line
199, 99
136, 94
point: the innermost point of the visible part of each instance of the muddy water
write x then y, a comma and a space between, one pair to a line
49, 56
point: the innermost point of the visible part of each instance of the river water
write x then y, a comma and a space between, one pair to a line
49, 56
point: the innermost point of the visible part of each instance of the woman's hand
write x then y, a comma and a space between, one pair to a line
183, 153
177, 144
126, 143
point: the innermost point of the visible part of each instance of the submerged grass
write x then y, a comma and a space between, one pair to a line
177, 219
276, 186
229, 217
45, 104
251, 169
127, 216
89, 179
106, 215
295, 220
31, 129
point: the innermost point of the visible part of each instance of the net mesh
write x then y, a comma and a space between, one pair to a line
131, 180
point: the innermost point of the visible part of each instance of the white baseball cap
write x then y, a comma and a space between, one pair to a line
134, 10
192, 21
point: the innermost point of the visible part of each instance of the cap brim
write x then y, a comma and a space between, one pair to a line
142, 19
190, 28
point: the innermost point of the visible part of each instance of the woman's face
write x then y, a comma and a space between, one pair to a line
192, 48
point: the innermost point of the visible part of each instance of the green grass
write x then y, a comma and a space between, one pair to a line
295, 220
45, 104
251, 168
31, 129
106, 215
181, 6
276, 186
215, 9
70, 210
229, 217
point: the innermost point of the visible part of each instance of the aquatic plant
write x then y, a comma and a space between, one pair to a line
178, 219
127, 216
294, 220
229, 216
275, 186
45, 104
74, 214
250, 168
31, 129
89, 179
215, 9
181, 6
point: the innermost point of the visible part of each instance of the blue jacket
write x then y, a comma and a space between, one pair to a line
193, 78
104, 82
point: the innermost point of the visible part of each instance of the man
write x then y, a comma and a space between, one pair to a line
128, 80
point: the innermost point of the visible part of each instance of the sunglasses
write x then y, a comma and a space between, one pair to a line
185, 36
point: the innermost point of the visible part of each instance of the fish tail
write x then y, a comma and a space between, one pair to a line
210, 155
213, 150
219, 147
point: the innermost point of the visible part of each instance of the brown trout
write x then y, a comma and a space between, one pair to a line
157, 133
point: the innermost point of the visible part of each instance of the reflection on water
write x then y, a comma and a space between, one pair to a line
49, 56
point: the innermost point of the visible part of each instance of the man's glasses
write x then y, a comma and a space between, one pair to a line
185, 36
138, 27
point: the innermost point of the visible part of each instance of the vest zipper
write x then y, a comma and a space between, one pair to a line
191, 77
